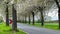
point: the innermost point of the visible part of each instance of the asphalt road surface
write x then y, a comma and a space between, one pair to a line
36, 30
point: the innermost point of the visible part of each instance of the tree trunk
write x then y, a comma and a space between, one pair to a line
33, 17
25, 18
58, 12
59, 17
14, 15
42, 19
7, 16
29, 19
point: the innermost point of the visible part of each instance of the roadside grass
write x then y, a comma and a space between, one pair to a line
7, 30
53, 26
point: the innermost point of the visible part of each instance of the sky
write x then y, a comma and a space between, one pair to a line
54, 14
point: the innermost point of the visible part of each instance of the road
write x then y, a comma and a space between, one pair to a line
36, 30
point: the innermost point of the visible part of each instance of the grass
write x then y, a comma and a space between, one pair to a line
6, 30
53, 26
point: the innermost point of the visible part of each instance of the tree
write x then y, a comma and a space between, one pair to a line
25, 18
14, 14
29, 19
42, 19
7, 15
57, 3
33, 17
41, 12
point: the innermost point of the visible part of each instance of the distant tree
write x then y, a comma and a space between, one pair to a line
33, 17
25, 18
29, 19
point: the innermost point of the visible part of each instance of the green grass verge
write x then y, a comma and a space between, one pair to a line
6, 30
53, 26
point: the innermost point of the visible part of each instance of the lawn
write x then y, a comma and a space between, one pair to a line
53, 26
6, 30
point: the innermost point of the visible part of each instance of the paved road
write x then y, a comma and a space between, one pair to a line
36, 30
